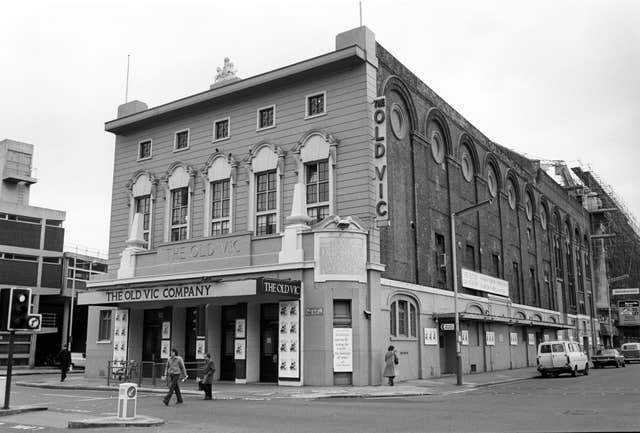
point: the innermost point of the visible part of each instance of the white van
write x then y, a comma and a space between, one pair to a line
555, 357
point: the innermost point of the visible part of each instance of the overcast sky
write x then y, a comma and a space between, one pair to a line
552, 79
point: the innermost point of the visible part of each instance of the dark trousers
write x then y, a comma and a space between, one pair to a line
206, 387
173, 387
63, 373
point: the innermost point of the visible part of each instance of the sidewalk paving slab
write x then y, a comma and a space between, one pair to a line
259, 391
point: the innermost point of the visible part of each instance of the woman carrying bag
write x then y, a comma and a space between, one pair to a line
390, 364
207, 376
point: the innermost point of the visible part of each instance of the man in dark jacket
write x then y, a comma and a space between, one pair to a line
207, 376
64, 358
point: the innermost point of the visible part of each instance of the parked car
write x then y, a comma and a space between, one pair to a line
605, 357
555, 357
631, 352
78, 359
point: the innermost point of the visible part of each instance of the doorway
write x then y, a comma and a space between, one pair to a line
152, 338
447, 342
227, 361
269, 342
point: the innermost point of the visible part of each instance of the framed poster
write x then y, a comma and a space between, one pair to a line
289, 339
342, 350
120, 335
513, 338
532, 339
165, 346
464, 334
241, 328
200, 348
166, 330
430, 336
240, 349
490, 337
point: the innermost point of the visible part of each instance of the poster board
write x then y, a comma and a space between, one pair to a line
342, 350
120, 335
289, 340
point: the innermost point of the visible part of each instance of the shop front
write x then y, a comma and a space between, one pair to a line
251, 327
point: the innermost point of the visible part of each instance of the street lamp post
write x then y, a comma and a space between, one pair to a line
455, 284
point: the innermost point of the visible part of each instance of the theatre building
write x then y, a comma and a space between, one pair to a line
296, 223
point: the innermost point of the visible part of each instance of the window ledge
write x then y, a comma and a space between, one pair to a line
218, 140
306, 117
144, 159
103, 342
275, 235
392, 338
180, 150
265, 128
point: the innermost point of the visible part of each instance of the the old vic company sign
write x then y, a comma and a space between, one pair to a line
279, 288
380, 157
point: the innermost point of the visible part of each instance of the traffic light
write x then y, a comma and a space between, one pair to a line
14, 312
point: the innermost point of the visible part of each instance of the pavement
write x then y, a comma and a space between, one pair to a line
223, 390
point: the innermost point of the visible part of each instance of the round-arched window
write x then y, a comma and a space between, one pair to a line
467, 164
511, 194
543, 216
398, 122
403, 315
437, 145
492, 181
528, 206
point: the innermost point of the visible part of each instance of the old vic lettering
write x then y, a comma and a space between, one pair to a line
380, 157
284, 288
160, 293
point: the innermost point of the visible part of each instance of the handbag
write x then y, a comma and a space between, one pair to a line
200, 384
395, 360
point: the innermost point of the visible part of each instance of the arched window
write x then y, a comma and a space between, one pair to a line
398, 121
544, 216
437, 138
142, 191
528, 206
178, 192
265, 185
219, 173
512, 194
466, 161
403, 318
492, 180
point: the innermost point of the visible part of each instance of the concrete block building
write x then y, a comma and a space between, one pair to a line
296, 223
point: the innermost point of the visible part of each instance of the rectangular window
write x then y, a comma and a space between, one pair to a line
516, 282
317, 186
221, 129
533, 285
220, 205
316, 104
181, 140
266, 117
495, 262
104, 326
143, 207
470, 257
179, 213
266, 202
144, 150
441, 265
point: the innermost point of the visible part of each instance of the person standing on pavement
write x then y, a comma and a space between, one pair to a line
390, 364
64, 358
207, 376
174, 371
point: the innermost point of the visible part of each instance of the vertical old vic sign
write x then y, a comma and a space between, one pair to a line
380, 157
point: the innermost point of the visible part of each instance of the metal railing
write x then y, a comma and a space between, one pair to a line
146, 372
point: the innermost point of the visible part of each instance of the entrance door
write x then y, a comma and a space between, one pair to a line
447, 341
227, 361
269, 343
152, 338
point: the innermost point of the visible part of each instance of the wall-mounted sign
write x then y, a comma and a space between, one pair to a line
280, 288
210, 249
165, 346
532, 339
618, 292
342, 350
340, 256
200, 348
380, 158
159, 293
314, 311
289, 340
239, 351
484, 283
166, 330
464, 336
430, 336
513, 338
240, 328
448, 326
120, 335
490, 338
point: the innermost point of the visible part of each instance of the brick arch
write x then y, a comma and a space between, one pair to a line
395, 84
512, 177
490, 160
467, 141
528, 191
435, 115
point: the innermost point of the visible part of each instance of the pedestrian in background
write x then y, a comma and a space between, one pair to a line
207, 376
390, 364
64, 358
174, 371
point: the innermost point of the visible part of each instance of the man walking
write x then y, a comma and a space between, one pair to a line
174, 371
64, 358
